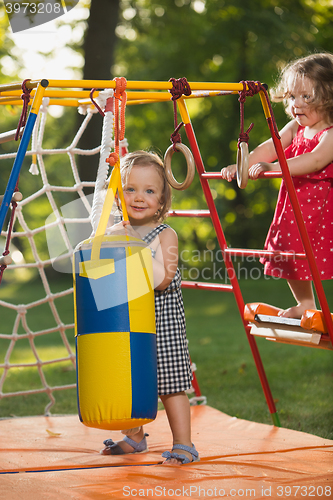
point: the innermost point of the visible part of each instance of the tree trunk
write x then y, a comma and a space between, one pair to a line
99, 45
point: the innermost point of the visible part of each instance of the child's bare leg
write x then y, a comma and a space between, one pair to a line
303, 293
177, 407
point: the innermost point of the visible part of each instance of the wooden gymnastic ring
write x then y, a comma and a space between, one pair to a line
242, 165
190, 167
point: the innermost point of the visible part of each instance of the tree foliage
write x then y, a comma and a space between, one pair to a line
98, 48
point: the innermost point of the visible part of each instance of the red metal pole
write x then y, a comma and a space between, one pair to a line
195, 385
217, 287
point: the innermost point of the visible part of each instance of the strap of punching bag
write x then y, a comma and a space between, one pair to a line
114, 186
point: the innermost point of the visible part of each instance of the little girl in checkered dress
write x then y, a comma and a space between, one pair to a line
147, 196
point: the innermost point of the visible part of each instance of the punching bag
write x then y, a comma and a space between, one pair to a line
115, 327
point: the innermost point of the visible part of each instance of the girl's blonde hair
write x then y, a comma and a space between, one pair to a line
319, 69
143, 159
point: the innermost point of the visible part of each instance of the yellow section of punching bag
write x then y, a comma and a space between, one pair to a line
104, 384
140, 290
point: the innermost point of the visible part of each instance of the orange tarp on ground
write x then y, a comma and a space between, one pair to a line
44, 458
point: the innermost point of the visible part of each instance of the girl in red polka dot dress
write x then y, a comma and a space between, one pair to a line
306, 87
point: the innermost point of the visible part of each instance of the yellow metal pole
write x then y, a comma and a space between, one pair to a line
11, 100
40, 92
66, 102
183, 111
14, 92
51, 93
143, 85
18, 86
134, 97
265, 105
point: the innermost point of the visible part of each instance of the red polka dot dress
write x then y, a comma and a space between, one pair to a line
315, 195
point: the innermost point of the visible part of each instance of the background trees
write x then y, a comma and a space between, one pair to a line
203, 40
98, 47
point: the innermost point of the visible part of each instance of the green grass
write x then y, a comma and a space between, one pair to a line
301, 378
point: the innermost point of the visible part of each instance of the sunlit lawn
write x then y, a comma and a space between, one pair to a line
301, 378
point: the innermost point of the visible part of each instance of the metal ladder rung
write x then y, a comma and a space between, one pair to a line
189, 213
242, 252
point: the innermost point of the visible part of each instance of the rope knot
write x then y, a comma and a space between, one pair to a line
242, 93
113, 159
179, 87
26, 92
253, 88
119, 122
244, 136
175, 136
249, 89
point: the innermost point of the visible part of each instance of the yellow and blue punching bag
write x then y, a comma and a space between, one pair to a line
115, 327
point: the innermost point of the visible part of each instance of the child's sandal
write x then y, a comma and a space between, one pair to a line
112, 448
183, 459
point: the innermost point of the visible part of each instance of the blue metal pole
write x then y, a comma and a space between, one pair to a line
16, 168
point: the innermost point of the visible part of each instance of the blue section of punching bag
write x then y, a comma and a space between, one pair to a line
102, 304
144, 375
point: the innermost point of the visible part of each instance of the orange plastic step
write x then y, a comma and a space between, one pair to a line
310, 330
